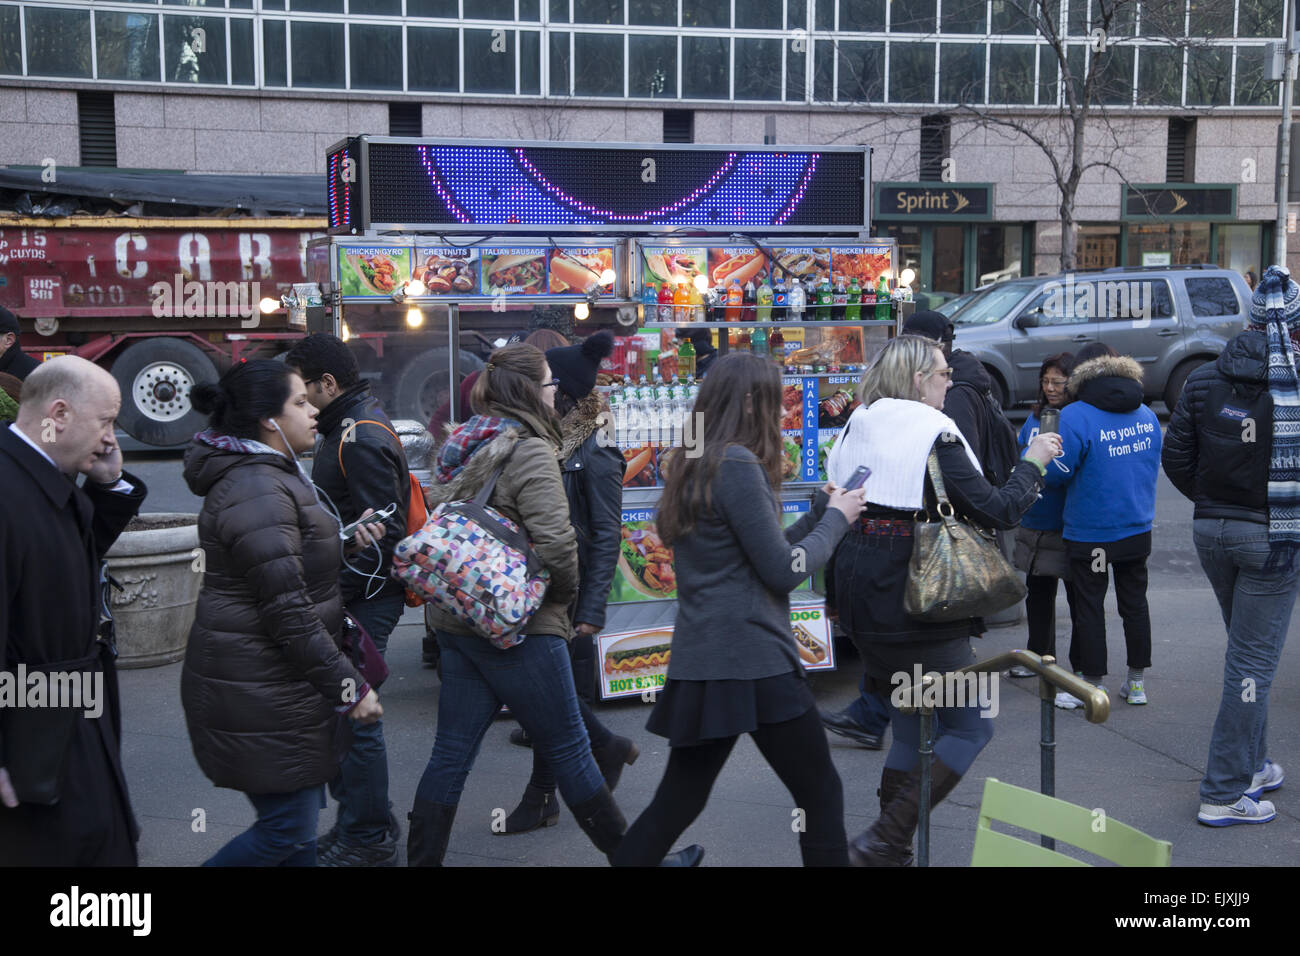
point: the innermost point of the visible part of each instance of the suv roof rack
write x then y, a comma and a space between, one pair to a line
1190, 265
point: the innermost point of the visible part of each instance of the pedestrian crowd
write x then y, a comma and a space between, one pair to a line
305, 580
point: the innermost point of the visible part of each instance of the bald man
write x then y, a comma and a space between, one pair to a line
63, 798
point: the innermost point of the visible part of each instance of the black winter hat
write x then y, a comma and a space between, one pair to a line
932, 325
576, 365
8, 322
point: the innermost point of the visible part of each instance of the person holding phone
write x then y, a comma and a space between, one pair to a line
265, 685
735, 667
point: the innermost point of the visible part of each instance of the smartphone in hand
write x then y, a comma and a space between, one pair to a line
384, 515
858, 478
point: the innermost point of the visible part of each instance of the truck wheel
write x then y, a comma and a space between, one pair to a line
1177, 379
156, 377
423, 384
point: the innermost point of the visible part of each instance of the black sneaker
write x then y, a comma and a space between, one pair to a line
844, 725
519, 737
341, 854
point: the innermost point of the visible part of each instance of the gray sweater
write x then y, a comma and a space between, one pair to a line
735, 572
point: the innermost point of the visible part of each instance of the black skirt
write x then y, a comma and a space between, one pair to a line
693, 712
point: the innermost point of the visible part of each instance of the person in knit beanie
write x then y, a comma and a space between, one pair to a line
1232, 447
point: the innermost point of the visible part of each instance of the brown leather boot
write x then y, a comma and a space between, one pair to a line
889, 840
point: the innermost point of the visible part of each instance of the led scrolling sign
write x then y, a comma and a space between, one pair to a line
421, 184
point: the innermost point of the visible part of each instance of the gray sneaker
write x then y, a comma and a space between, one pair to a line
1244, 810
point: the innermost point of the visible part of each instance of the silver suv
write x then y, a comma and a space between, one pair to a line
1170, 318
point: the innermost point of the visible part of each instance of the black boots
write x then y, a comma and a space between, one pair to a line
426, 841
538, 808
889, 840
602, 821
611, 758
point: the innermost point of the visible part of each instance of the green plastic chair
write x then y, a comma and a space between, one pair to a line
1062, 821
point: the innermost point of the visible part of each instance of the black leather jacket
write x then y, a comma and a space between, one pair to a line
1220, 437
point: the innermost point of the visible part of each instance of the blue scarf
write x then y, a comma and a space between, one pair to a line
1276, 307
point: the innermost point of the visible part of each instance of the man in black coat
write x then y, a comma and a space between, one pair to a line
359, 464
63, 796
12, 357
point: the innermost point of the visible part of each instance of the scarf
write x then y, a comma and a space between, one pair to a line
467, 439
1275, 308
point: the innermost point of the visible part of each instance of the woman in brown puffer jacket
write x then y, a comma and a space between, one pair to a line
265, 686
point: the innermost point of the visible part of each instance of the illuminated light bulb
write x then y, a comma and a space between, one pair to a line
607, 277
702, 282
415, 287
907, 276
414, 317
268, 305
580, 311
345, 333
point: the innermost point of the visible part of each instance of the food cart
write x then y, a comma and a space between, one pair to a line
458, 244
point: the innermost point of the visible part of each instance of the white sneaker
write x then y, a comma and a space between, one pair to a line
1268, 778
1133, 691
1067, 701
1244, 810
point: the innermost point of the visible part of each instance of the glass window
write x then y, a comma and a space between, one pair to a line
375, 7
862, 71
1254, 88
796, 82
433, 59
1011, 73
1049, 73
1120, 301
705, 68
598, 11
126, 46
1076, 21
1238, 247
964, 16
1097, 247
11, 54
242, 70
1211, 18
1209, 76
442, 8
1260, 18
911, 73
316, 6
490, 61
863, 15
825, 16
1008, 18
1184, 242
912, 17
706, 13
561, 60
652, 12
1213, 296
530, 61
824, 72
1114, 83
273, 4
275, 67
196, 49
317, 54
652, 66
961, 72
58, 42
560, 11
758, 69
1120, 19
530, 12
759, 15
1160, 76
598, 64
376, 57
241, 4
1054, 307
1165, 18
997, 253
489, 10
796, 14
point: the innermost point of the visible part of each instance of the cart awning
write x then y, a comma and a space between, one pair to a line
292, 195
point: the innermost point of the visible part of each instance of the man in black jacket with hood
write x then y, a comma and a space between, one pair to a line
359, 464
12, 357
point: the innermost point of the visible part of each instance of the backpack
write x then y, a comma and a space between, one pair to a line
476, 565
417, 513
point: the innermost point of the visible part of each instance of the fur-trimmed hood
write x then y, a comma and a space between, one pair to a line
591, 412
1112, 383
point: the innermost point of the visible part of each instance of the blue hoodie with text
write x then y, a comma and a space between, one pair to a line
1111, 453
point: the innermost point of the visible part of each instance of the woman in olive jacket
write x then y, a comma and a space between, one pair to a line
265, 686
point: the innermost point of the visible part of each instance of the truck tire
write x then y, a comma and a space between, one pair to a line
1177, 379
422, 385
997, 389
156, 376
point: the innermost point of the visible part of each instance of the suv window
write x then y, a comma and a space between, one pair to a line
1064, 303
1213, 297
1134, 298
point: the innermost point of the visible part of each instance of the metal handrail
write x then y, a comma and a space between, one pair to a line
1096, 708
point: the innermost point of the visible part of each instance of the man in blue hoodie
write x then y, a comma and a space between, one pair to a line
1109, 464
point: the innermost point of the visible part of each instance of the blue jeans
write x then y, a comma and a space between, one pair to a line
361, 788
1256, 608
284, 834
535, 679
960, 733
870, 710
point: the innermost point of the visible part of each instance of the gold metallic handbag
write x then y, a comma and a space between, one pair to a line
957, 570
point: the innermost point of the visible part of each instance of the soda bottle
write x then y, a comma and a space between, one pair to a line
882, 299
840, 303
685, 360
735, 299
780, 302
719, 303
681, 301
853, 304
666, 302
798, 301
650, 299
776, 343
697, 313
758, 342
744, 342
763, 312
825, 299
750, 301
869, 294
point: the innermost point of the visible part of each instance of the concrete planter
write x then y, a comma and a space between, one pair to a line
156, 567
